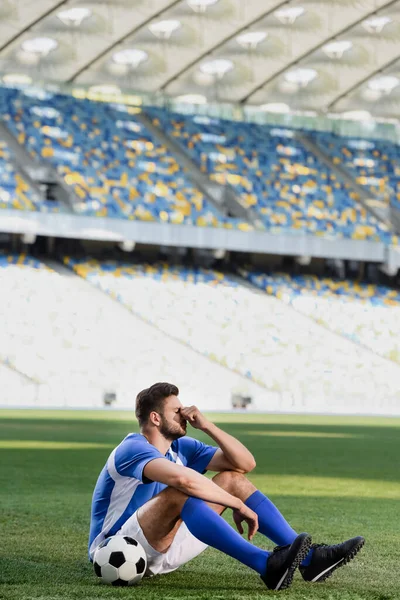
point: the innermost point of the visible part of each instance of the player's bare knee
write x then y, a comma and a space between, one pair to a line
179, 499
228, 479
235, 484
164, 508
175, 499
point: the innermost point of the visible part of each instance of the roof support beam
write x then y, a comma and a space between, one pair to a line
32, 24
298, 59
359, 83
120, 40
221, 43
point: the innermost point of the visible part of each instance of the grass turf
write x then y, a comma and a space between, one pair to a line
333, 477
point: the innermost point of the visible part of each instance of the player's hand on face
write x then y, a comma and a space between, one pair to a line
246, 514
194, 417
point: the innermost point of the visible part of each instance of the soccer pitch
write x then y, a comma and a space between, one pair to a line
334, 477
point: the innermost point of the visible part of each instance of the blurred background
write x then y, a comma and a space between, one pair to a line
205, 192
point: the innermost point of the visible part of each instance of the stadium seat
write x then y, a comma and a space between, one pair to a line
250, 333
113, 164
365, 313
373, 163
15, 192
273, 173
69, 344
117, 168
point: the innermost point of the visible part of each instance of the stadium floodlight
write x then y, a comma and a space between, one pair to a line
74, 16
376, 24
301, 76
110, 90
303, 261
288, 14
219, 253
388, 269
337, 48
191, 99
384, 84
251, 39
275, 107
39, 45
357, 115
127, 245
371, 95
130, 56
217, 67
201, 6
164, 29
28, 238
17, 79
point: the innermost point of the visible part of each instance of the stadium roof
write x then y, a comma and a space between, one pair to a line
322, 55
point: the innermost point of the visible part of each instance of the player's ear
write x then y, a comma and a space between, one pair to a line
154, 418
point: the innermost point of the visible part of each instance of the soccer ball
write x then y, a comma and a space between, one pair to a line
120, 560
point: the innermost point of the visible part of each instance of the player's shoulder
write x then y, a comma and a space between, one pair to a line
134, 447
185, 439
135, 439
185, 443
132, 442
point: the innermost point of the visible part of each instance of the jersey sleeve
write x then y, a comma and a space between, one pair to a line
132, 456
197, 454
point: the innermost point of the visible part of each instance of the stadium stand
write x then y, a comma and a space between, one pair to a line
79, 344
373, 163
117, 168
15, 192
273, 173
251, 333
113, 164
15, 388
365, 313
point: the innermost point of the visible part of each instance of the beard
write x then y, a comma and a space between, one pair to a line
172, 431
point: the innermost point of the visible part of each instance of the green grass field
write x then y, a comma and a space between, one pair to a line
333, 477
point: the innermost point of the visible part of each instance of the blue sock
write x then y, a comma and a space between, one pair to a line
211, 529
272, 523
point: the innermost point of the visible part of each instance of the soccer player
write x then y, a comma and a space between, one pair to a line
153, 489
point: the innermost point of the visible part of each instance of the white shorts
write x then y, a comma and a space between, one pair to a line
183, 548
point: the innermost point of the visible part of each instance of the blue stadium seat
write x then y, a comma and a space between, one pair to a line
373, 163
118, 169
275, 174
15, 192
113, 164
257, 335
365, 313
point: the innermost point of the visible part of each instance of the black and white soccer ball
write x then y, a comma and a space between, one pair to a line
120, 560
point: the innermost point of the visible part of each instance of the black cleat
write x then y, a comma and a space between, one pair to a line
283, 562
326, 559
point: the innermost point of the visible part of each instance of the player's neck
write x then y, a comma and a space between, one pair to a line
157, 440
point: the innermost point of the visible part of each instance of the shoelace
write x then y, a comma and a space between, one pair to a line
277, 548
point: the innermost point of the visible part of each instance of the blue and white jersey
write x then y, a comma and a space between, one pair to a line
122, 488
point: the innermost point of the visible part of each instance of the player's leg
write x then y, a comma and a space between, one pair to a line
165, 538
271, 522
167, 507
321, 561
160, 521
161, 517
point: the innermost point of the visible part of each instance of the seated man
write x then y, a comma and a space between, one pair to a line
152, 488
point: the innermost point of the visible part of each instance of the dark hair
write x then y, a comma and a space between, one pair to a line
152, 399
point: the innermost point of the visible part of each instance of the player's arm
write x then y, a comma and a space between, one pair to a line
194, 484
231, 455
